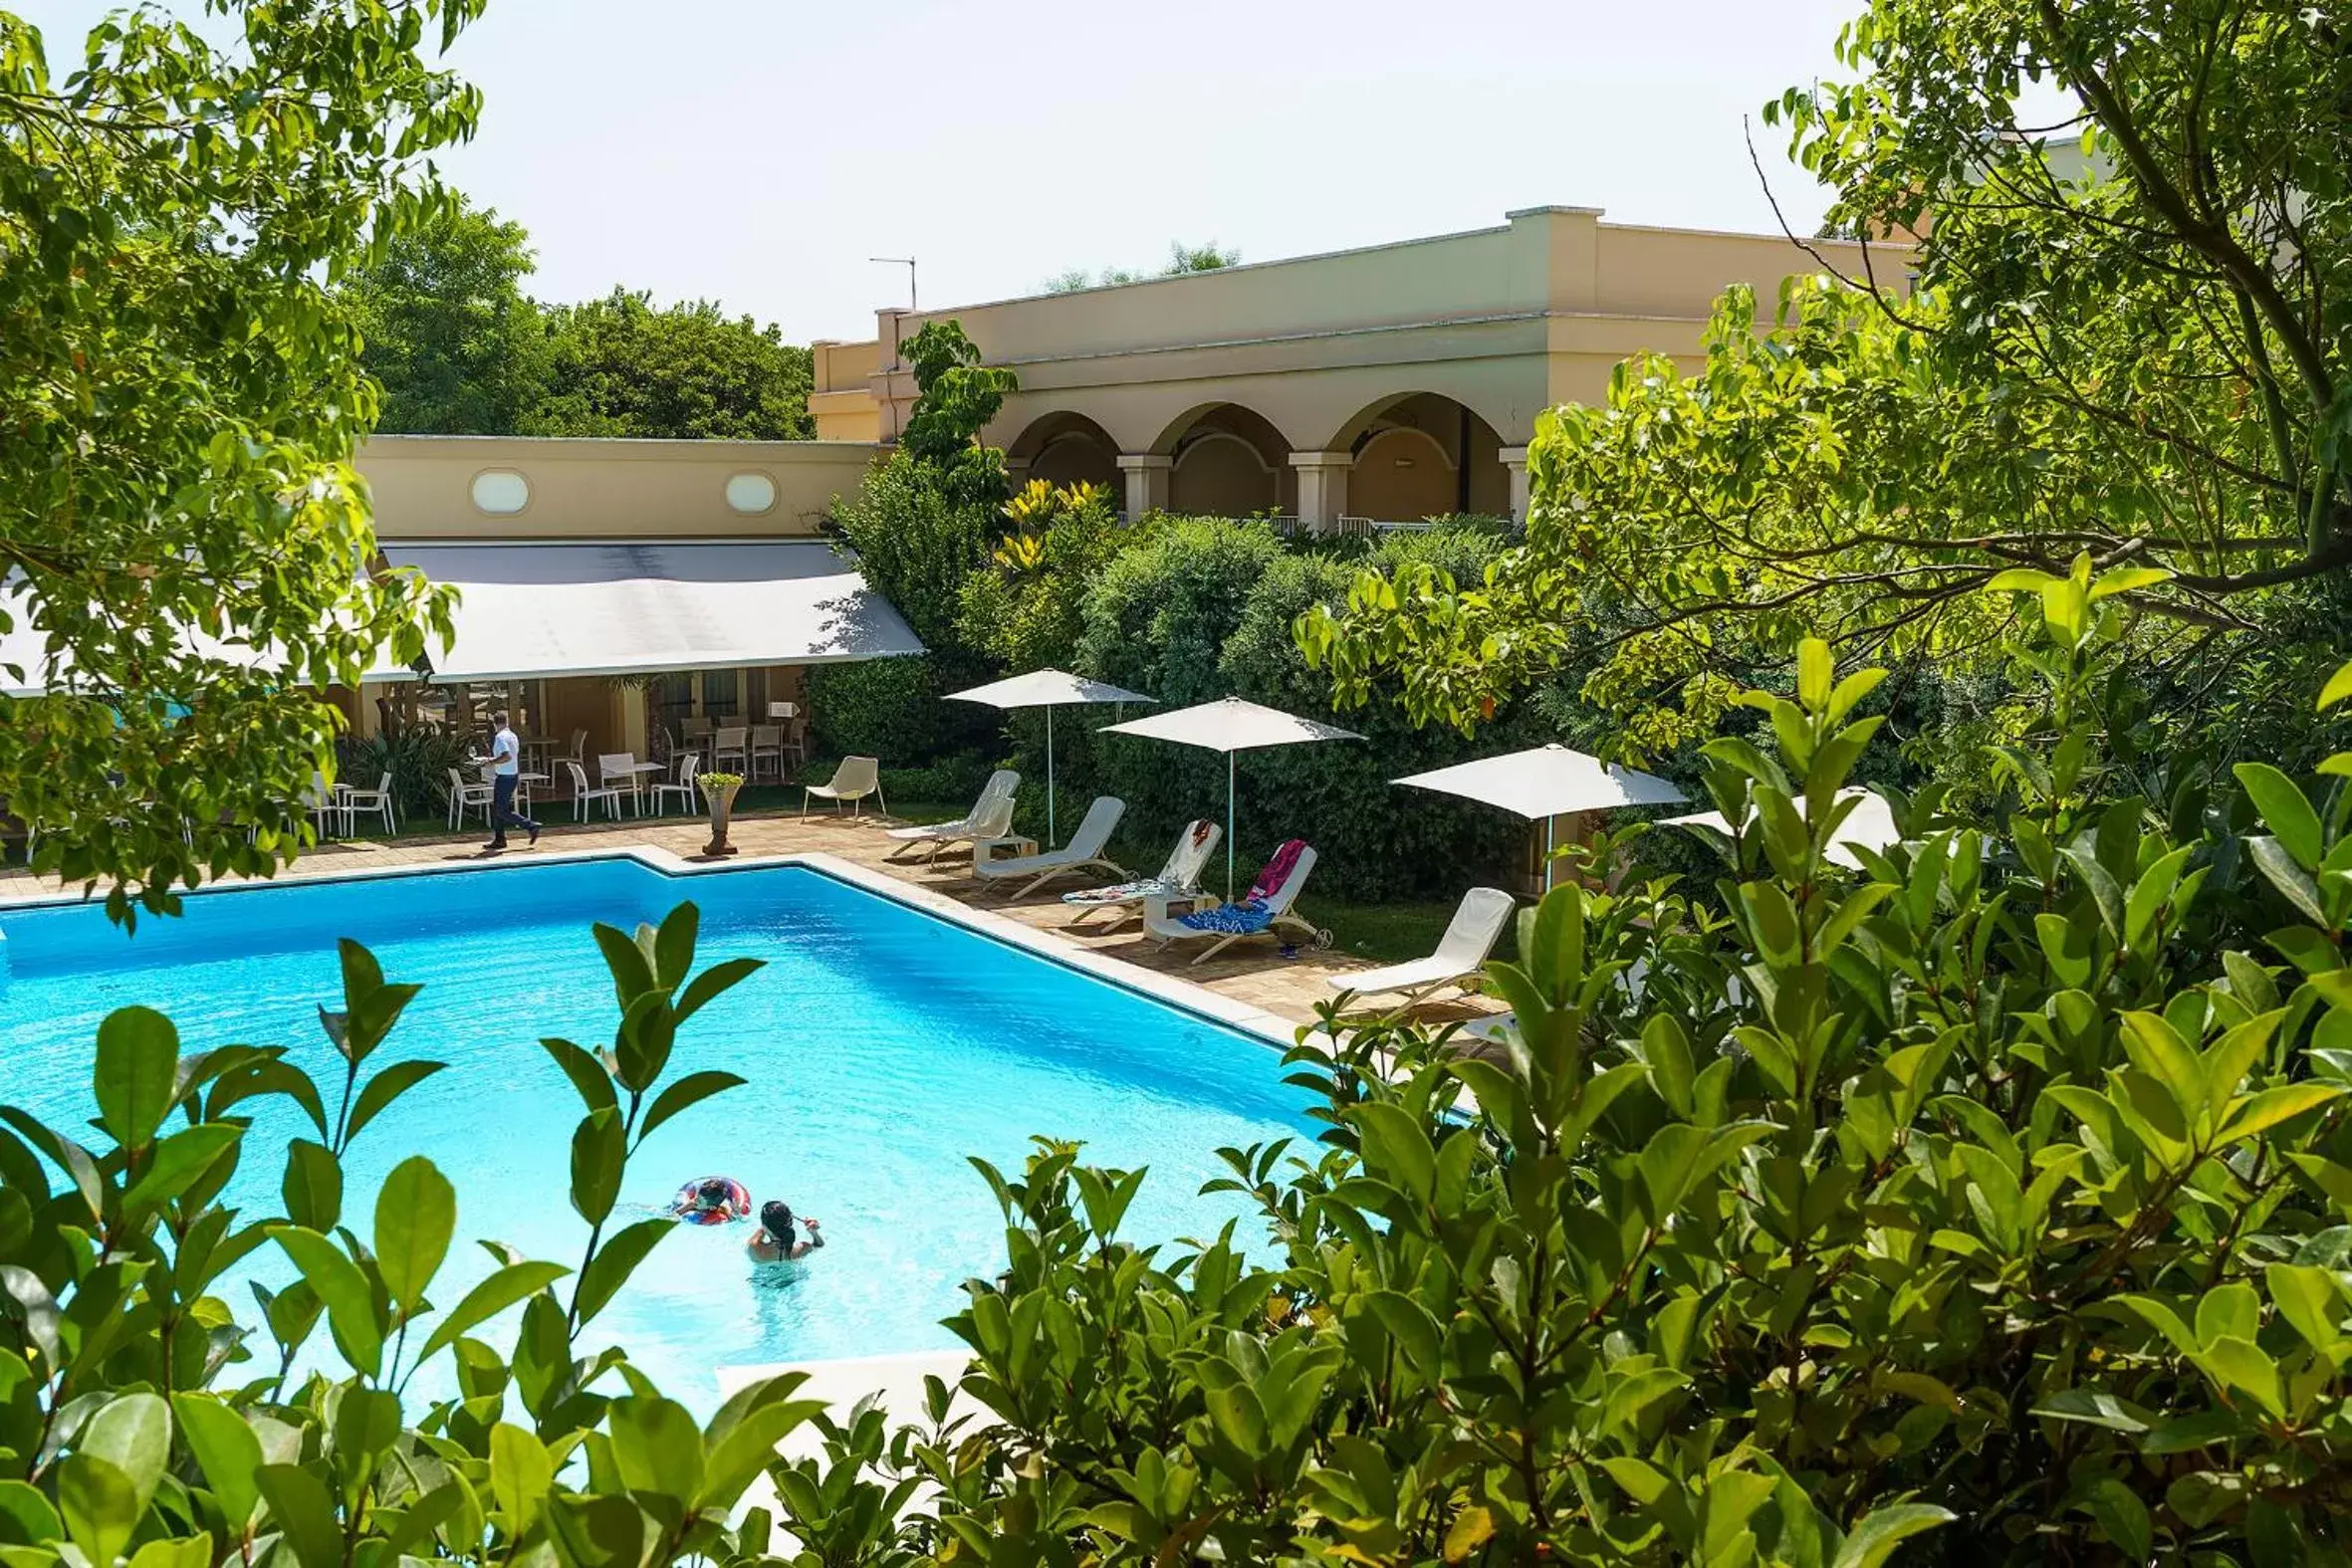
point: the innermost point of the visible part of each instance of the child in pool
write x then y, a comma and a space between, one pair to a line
774, 1240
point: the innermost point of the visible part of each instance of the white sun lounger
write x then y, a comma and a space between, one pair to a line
1470, 936
1159, 922
1179, 880
1083, 852
991, 817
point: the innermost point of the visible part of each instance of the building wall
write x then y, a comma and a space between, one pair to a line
1506, 321
424, 487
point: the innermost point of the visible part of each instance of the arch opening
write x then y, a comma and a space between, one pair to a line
1065, 449
1229, 461
1423, 455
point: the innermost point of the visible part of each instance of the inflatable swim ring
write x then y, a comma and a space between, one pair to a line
737, 1204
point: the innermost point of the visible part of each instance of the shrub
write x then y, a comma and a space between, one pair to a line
889, 708
417, 755
1991, 1204
916, 544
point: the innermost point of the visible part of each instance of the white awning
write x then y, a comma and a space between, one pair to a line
531, 610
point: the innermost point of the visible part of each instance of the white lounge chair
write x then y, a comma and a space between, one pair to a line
1179, 881
377, 803
1083, 852
854, 780
1470, 936
1265, 912
991, 817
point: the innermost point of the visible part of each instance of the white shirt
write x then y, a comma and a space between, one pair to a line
504, 753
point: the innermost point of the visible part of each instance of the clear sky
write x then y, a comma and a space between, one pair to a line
758, 152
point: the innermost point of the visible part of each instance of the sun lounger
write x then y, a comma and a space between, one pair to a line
855, 779
1265, 912
1083, 852
1470, 936
991, 817
1179, 881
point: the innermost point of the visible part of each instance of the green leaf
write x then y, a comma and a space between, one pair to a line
99, 1505
1876, 1535
303, 1513
1629, 1394
616, 1261
2338, 687
748, 1447
377, 1094
673, 946
132, 1432
600, 1154
349, 1303
2307, 1297
2122, 1516
587, 1073
415, 1214
657, 1447
489, 1298
520, 1474
227, 1451
1815, 670
714, 982
2272, 859
2240, 1365
2094, 1407
1410, 1324
1396, 1147
136, 1074
2261, 1112
2285, 810
178, 1162
313, 1186
632, 975
2157, 1049
689, 1091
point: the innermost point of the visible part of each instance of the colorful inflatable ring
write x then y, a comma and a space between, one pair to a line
739, 1201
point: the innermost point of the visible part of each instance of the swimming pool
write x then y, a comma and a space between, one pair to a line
882, 1045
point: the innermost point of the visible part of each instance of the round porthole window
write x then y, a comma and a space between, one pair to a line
501, 491
749, 493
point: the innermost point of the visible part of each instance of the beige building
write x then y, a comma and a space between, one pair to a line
1389, 384
611, 589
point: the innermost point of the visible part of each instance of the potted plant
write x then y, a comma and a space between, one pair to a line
718, 791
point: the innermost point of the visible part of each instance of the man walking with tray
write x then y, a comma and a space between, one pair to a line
506, 760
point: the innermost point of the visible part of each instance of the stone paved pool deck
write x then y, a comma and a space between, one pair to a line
1252, 974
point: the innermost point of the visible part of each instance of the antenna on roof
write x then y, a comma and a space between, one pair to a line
908, 262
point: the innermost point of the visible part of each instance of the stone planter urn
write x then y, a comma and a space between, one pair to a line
718, 791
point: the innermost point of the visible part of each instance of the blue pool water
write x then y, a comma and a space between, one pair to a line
882, 1047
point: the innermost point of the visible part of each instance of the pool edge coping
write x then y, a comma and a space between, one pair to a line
1266, 1028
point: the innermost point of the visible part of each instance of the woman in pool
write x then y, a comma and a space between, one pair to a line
774, 1242
712, 1200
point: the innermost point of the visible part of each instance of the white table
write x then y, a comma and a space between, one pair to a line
635, 774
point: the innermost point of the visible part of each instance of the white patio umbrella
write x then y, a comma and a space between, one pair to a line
1230, 725
1046, 689
1547, 782
1869, 826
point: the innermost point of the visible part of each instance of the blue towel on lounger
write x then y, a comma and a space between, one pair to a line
1244, 919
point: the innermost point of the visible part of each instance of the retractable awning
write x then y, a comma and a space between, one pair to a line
534, 611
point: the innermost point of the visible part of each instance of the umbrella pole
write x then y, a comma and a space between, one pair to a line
1228, 826
1050, 840
1548, 822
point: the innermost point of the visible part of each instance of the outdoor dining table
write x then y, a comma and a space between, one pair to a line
637, 774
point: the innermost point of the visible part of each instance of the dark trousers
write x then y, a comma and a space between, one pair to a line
502, 811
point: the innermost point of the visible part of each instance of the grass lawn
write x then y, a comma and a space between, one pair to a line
1388, 933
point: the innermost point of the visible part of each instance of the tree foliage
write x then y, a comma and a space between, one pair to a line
461, 349
619, 366
2145, 360
180, 391
1182, 258
447, 331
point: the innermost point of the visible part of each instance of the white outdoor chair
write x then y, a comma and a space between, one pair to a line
581, 794
990, 820
1083, 852
370, 802
788, 717
1461, 953
768, 744
1179, 881
854, 780
1268, 916
617, 772
689, 764
464, 797
726, 741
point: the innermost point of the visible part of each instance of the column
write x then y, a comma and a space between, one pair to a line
1323, 489
1515, 465
1147, 475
